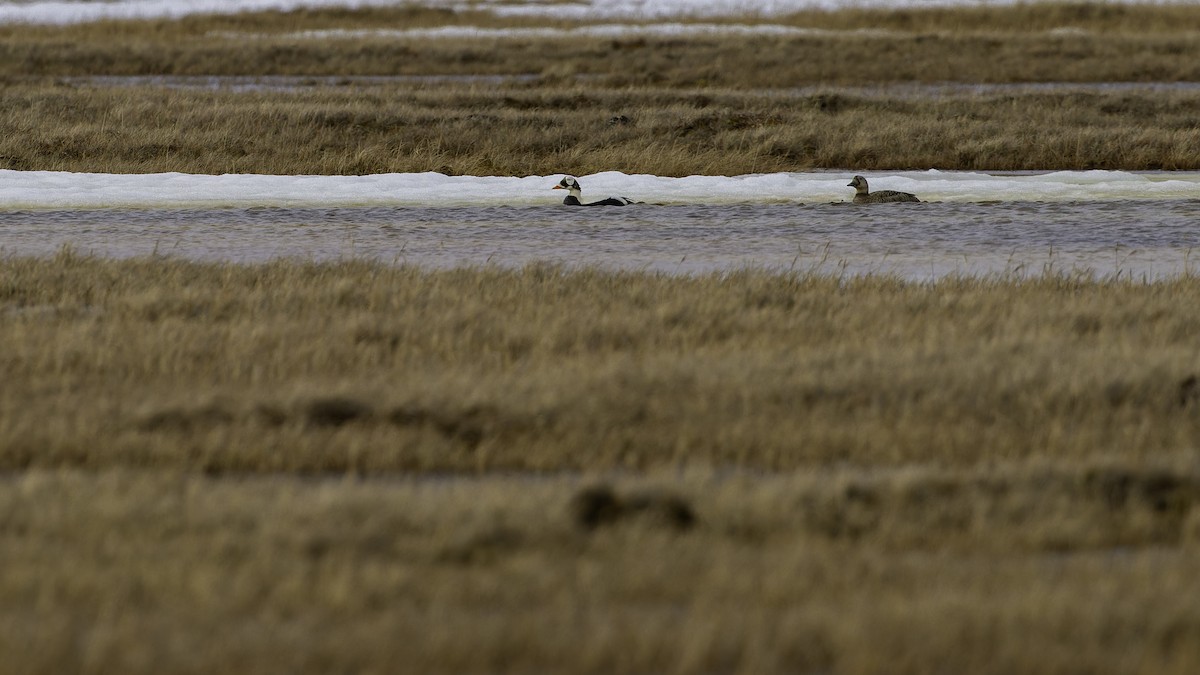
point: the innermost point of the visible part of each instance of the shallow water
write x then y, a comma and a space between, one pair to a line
287, 83
1138, 238
906, 90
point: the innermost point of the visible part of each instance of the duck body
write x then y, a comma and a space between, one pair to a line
574, 194
863, 195
572, 200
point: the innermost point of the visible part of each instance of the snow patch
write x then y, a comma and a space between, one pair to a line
64, 12
53, 189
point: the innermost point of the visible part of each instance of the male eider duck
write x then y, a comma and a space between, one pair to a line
863, 196
574, 192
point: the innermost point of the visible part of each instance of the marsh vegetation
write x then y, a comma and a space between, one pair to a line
537, 130
723, 104
356, 467
1031, 43
223, 368
297, 466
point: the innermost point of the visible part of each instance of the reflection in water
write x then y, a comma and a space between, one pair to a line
917, 241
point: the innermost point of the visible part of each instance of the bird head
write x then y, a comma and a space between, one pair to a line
567, 183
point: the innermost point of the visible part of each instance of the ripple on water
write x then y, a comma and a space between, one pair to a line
1139, 238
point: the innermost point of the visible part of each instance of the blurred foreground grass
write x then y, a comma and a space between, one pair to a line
352, 467
364, 367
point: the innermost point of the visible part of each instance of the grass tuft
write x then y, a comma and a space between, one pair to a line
335, 411
599, 505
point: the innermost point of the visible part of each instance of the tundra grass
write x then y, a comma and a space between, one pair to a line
540, 129
1112, 42
357, 367
743, 62
834, 98
1039, 43
297, 467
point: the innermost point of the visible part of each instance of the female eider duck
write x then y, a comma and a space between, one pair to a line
863, 196
574, 192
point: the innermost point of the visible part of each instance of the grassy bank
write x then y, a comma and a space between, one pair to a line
353, 467
358, 367
302, 468
545, 129
741, 62
1026, 43
708, 104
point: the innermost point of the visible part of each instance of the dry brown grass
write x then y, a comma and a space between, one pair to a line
359, 367
1000, 572
539, 129
353, 467
706, 105
344, 467
757, 62
1036, 43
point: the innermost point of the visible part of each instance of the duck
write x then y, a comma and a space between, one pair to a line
862, 195
574, 192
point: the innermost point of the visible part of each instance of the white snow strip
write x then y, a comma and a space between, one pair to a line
608, 30
52, 189
65, 11
593, 10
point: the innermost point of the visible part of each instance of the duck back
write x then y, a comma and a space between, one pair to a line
885, 196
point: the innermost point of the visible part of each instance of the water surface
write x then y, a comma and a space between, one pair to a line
1139, 238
